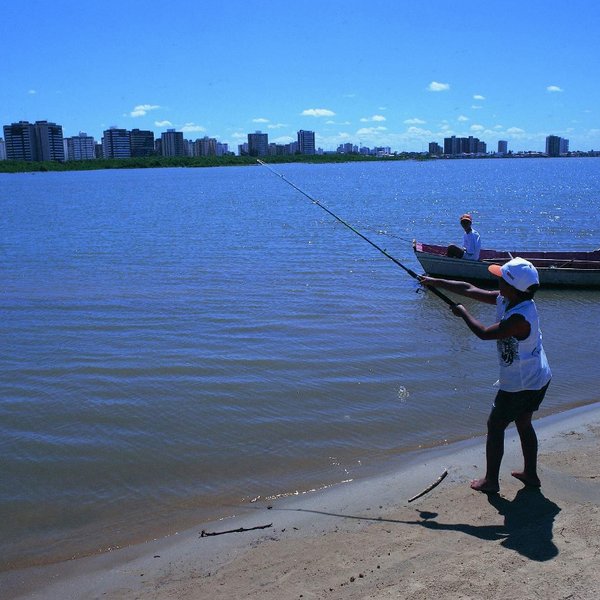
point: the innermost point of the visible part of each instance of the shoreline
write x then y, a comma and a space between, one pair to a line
160, 162
317, 529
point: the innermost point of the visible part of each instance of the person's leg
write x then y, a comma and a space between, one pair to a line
494, 451
529, 445
454, 251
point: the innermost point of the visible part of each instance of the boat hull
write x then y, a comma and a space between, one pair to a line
556, 270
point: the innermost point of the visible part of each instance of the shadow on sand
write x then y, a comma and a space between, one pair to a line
527, 529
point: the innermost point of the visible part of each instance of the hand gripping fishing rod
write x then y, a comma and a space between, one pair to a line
364, 237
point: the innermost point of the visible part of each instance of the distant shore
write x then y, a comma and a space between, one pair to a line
157, 162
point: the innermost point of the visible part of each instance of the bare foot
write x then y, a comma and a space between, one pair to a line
529, 481
483, 485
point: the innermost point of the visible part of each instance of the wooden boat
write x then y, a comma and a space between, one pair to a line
556, 269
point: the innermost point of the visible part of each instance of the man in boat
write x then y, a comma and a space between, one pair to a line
471, 241
524, 371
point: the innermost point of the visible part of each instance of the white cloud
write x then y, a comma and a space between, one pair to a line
476, 107
260, 120
32, 92
192, 127
477, 127
435, 86
141, 110
317, 112
376, 118
276, 126
414, 121
417, 131
515, 131
284, 139
462, 118
553, 88
371, 130
163, 123
478, 97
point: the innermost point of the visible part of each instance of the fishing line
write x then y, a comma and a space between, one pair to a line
364, 237
380, 231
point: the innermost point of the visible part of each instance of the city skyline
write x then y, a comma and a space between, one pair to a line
376, 74
43, 141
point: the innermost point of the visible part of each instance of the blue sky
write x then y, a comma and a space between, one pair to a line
389, 73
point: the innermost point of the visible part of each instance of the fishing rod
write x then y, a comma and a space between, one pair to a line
364, 237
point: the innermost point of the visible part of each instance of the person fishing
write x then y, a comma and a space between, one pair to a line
524, 370
471, 247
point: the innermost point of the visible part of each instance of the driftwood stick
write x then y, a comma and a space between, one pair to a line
433, 485
239, 530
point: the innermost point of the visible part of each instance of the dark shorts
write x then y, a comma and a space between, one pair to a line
454, 251
509, 406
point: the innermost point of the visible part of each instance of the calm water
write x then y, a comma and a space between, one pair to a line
176, 342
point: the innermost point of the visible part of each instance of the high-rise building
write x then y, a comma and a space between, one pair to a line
116, 143
20, 141
454, 146
81, 147
258, 144
555, 145
172, 143
347, 148
283, 149
2, 149
49, 138
222, 149
205, 147
306, 142
142, 142
502, 147
382, 151
41, 140
435, 149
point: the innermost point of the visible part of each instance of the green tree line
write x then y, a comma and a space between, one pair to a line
153, 162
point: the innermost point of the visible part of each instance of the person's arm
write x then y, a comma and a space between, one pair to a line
514, 326
461, 287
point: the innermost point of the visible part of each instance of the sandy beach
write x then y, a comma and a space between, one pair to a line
364, 539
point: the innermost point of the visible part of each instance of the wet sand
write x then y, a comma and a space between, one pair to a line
364, 539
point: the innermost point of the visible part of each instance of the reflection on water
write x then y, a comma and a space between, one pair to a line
180, 340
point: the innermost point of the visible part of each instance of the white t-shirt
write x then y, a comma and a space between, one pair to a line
472, 245
523, 363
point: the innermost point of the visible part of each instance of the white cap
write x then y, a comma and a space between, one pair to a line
518, 272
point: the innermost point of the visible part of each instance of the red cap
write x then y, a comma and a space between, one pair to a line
466, 217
